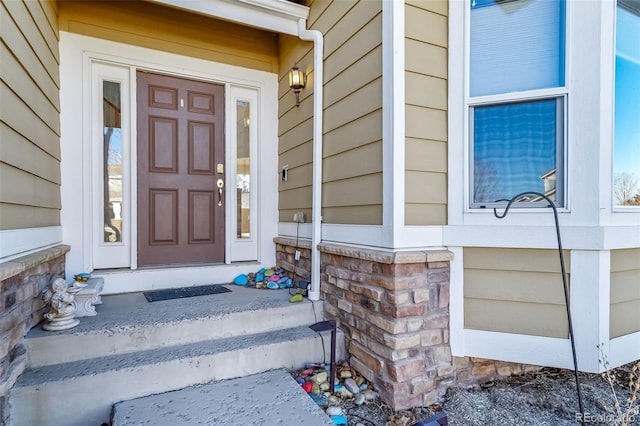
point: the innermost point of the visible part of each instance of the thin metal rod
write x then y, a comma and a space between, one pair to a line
332, 381
564, 284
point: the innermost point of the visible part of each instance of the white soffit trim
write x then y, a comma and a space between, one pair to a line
272, 15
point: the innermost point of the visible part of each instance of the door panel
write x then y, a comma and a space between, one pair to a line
180, 142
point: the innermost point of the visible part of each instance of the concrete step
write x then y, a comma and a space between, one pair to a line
127, 323
271, 398
82, 392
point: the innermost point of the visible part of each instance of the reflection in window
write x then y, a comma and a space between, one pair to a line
626, 155
243, 169
516, 53
515, 149
112, 162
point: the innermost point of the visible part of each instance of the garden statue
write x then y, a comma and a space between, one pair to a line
62, 306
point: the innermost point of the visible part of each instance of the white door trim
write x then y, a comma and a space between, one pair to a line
77, 53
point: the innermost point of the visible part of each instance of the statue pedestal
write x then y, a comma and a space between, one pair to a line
88, 296
62, 314
58, 324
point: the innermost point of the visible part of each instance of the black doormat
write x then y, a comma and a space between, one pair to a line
179, 293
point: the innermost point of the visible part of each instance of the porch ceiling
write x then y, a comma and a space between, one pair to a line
272, 15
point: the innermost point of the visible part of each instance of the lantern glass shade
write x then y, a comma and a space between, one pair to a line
296, 79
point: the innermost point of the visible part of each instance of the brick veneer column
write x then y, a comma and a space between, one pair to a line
21, 282
394, 310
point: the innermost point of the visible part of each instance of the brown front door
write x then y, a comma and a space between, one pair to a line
180, 165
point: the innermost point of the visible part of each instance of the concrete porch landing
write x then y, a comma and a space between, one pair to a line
134, 348
271, 398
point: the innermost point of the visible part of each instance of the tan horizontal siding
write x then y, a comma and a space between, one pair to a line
625, 292
624, 318
517, 318
28, 91
45, 14
365, 70
171, 30
426, 123
350, 108
349, 164
425, 91
295, 199
296, 135
30, 105
509, 259
14, 216
21, 153
22, 188
425, 26
425, 58
419, 214
43, 74
352, 133
426, 39
426, 155
514, 291
364, 130
352, 191
298, 155
437, 6
625, 260
18, 115
353, 215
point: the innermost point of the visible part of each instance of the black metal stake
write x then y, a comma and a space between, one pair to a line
564, 284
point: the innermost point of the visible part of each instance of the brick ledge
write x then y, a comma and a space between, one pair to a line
16, 266
388, 257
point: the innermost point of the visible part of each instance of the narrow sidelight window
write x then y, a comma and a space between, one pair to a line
112, 162
243, 169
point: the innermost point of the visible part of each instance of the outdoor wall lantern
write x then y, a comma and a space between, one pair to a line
297, 81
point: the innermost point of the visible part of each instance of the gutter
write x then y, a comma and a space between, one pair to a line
316, 206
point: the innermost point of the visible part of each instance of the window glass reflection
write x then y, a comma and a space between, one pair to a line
626, 155
243, 170
112, 162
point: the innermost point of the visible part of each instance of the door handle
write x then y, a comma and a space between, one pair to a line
220, 185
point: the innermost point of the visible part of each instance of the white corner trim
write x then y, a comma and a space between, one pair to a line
456, 302
393, 119
272, 15
19, 242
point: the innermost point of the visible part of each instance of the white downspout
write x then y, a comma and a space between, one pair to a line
318, 89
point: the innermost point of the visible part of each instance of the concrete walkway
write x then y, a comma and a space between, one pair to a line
271, 398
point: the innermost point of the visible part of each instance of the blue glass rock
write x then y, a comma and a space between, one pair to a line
339, 420
241, 280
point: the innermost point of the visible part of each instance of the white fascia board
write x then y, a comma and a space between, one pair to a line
20, 242
271, 15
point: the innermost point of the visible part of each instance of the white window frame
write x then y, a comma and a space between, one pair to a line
242, 249
504, 98
110, 255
